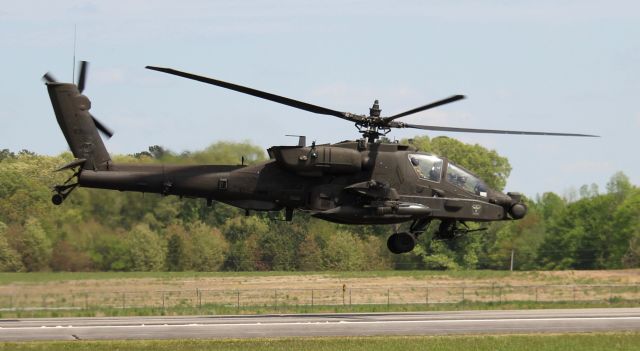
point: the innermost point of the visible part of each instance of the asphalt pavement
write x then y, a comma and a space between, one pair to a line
343, 324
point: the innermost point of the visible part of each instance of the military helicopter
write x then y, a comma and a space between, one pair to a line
364, 181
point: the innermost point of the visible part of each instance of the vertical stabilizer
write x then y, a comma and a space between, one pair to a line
78, 126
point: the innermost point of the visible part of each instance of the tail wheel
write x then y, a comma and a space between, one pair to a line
57, 199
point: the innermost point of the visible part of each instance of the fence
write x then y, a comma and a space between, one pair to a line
274, 299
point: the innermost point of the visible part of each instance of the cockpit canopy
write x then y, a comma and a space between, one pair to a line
430, 167
465, 180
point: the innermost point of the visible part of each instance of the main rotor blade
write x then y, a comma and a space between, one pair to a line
101, 127
487, 131
425, 107
82, 75
49, 78
257, 93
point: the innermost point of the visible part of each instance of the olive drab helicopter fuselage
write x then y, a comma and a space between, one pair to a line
352, 182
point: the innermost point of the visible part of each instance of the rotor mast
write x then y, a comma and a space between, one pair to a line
372, 127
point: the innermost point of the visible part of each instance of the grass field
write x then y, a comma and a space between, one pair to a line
578, 277
542, 342
179, 293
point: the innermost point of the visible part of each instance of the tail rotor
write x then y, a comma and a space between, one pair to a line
48, 78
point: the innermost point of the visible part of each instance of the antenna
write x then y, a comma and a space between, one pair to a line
302, 140
73, 73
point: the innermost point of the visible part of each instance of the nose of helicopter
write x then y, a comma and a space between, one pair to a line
511, 202
517, 209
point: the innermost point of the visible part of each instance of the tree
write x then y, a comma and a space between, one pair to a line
240, 228
6, 153
626, 227
67, 258
145, 252
342, 251
9, 258
550, 204
522, 237
619, 184
207, 247
310, 255
175, 253
35, 247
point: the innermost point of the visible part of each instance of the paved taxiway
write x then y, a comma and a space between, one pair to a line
357, 324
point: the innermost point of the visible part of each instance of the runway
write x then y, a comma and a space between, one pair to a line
348, 324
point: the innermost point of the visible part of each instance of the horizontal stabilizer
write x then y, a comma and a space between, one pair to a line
73, 164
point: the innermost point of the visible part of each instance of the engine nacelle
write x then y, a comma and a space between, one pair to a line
317, 161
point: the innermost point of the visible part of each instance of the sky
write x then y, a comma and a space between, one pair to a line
558, 66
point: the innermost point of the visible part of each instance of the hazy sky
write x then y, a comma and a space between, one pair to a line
561, 66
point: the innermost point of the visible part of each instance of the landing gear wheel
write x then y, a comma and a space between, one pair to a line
57, 199
401, 242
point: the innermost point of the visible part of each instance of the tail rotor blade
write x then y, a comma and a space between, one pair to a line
82, 75
49, 78
103, 128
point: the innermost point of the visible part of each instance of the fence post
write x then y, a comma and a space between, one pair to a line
312, 302
388, 298
86, 301
493, 294
123, 300
427, 297
238, 301
574, 294
463, 295
536, 294
349, 296
275, 299
195, 302
500, 294
163, 307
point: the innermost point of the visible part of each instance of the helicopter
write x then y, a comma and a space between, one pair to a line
359, 182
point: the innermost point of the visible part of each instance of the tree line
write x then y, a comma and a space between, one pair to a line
99, 230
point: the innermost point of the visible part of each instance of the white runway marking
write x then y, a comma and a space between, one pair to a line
439, 321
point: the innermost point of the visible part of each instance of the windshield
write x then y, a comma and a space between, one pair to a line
465, 180
427, 166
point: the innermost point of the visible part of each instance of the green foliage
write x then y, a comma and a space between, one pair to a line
175, 253
310, 255
145, 252
205, 248
9, 257
34, 246
439, 257
342, 252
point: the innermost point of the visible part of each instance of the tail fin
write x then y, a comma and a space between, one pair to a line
77, 124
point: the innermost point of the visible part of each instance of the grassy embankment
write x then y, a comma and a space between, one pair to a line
542, 342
